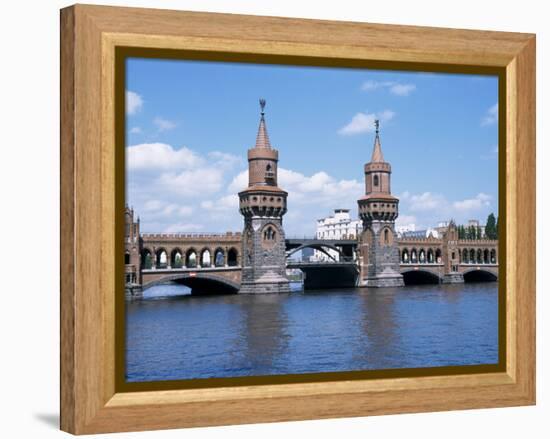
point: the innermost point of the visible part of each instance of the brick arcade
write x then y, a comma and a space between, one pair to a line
255, 261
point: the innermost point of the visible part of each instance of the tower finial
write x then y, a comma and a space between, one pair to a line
377, 155
262, 105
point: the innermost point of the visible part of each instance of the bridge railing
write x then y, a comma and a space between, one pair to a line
192, 235
325, 262
317, 238
195, 268
429, 264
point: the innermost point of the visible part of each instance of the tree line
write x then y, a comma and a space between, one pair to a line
476, 232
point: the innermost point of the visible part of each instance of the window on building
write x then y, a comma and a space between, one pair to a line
375, 180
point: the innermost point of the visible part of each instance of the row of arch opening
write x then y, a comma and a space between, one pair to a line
191, 258
430, 256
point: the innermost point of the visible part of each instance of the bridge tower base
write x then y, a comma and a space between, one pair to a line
382, 281
134, 291
269, 283
453, 278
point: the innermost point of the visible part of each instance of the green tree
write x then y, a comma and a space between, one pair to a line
491, 227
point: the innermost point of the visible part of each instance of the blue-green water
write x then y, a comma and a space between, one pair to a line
172, 336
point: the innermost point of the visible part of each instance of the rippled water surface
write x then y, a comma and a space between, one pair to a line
173, 336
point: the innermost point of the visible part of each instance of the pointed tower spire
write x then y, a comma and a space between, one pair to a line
262, 139
377, 155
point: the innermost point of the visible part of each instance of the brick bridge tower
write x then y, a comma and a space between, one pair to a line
263, 205
378, 209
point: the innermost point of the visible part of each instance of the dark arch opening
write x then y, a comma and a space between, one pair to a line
479, 276
146, 259
126, 258
204, 286
232, 257
162, 258
420, 277
219, 257
206, 258
191, 258
176, 258
328, 277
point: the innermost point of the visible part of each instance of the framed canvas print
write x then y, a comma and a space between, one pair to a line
268, 219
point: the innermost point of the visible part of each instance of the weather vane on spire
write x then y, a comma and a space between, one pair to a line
377, 125
262, 105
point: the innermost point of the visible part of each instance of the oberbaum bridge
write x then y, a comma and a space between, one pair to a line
256, 260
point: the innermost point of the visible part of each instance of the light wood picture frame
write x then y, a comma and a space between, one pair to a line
91, 36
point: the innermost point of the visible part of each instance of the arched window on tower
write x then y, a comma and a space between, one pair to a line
269, 234
375, 181
386, 236
269, 174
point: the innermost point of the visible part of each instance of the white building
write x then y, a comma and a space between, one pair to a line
337, 226
404, 228
425, 233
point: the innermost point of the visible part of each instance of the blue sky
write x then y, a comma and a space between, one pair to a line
189, 125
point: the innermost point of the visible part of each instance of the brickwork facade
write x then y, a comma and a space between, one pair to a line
378, 209
263, 205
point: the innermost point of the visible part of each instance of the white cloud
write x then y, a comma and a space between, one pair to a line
160, 156
134, 102
158, 208
364, 122
394, 88
491, 116
371, 85
135, 130
319, 189
425, 201
164, 124
222, 204
194, 182
405, 220
225, 160
402, 89
239, 182
480, 201
427, 209
152, 205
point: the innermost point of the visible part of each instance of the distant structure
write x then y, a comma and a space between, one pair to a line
378, 210
424, 233
405, 228
475, 223
336, 226
132, 253
263, 205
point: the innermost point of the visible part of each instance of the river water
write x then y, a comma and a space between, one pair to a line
170, 336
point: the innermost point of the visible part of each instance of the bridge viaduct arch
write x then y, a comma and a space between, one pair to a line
200, 283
